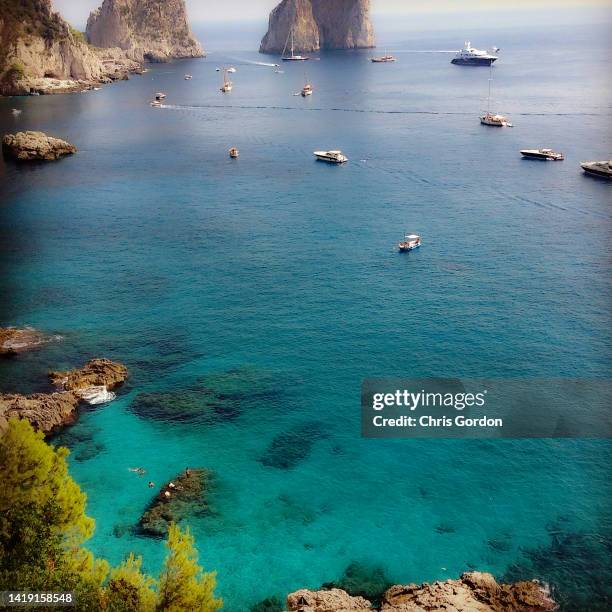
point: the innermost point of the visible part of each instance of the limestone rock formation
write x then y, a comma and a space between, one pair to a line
325, 601
95, 373
319, 24
14, 340
474, 591
153, 30
30, 146
45, 411
41, 53
49, 411
178, 498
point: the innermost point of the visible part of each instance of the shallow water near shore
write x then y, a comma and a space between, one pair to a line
268, 287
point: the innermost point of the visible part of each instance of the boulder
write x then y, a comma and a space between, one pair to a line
29, 146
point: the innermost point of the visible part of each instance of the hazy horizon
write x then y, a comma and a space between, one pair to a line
200, 11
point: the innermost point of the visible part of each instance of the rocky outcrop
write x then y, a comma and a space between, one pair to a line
49, 411
153, 30
319, 24
30, 146
15, 340
41, 53
45, 411
95, 373
325, 601
183, 496
474, 591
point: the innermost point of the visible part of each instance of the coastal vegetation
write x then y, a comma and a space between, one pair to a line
43, 526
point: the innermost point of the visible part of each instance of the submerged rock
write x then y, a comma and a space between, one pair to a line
319, 24
292, 446
153, 30
14, 340
473, 592
31, 146
367, 581
214, 398
184, 496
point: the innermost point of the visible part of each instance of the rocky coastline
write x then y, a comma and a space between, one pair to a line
48, 412
473, 592
15, 340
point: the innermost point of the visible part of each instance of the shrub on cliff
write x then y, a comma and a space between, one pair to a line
43, 525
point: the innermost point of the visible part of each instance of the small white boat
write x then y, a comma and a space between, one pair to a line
160, 95
232, 70
383, 59
227, 84
188, 77
97, 88
331, 157
156, 103
307, 89
545, 154
602, 169
16, 112
234, 153
409, 243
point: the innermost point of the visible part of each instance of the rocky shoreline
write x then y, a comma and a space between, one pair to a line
15, 340
47, 412
472, 592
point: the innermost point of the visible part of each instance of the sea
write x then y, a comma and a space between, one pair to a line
250, 298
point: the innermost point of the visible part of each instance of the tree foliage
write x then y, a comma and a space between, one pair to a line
183, 585
43, 525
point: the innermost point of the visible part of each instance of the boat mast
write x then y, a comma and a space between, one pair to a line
489, 98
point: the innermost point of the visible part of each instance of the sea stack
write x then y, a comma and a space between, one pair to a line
152, 30
319, 24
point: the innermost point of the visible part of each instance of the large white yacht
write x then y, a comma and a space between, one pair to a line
468, 56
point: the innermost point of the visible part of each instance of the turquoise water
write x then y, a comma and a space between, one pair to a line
273, 281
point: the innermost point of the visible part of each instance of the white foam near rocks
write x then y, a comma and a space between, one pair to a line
96, 395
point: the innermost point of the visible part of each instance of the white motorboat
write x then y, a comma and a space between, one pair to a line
545, 154
160, 95
332, 157
409, 243
227, 84
188, 77
602, 169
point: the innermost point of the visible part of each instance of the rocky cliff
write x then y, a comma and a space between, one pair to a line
40, 52
153, 30
319, 24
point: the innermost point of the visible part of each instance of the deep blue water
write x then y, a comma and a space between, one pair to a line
273, 280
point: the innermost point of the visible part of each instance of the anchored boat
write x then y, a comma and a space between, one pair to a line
227, 84
234, 153
293, 57
489, 118
545, 154
383, 59
409, 243
331, 157
602, 169
468, 56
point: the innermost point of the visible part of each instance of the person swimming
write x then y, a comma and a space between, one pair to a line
140, 471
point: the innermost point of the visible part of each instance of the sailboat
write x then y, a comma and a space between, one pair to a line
489, 118
227, 84
307, 89
293, 57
